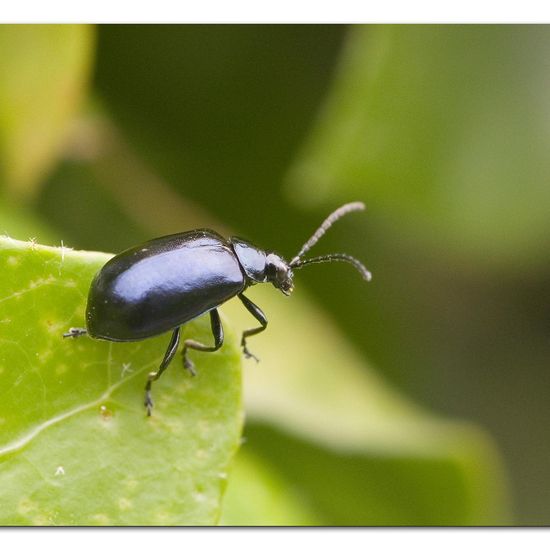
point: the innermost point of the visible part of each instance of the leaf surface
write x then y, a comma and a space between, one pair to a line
354, 449
75, 444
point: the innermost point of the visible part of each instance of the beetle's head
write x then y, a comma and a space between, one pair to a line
279, 273
267, 267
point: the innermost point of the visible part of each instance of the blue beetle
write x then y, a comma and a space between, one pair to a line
164, 283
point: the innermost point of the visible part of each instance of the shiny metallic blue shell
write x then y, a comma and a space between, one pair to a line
161, 284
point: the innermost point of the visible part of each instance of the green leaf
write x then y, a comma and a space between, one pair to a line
258, 495
44, 70
76, 447
364, 486
356, 450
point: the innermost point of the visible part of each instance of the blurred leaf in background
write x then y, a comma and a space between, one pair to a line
219, 111
443, 131
442, 121
44, 71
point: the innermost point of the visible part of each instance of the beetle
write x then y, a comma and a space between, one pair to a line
164, 283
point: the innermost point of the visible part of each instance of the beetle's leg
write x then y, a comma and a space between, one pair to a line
168, 356
75, 332
260, 316
217, 331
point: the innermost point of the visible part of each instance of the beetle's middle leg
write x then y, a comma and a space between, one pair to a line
168, 356
260, 316
217, 332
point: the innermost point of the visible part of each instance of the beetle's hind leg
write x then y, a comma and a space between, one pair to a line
168, 356
217, 332
262, 319
75, 332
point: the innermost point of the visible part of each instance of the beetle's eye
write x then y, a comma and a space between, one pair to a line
271, 270
273, 267
282, 274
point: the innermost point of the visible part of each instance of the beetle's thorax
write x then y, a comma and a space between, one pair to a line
260, 266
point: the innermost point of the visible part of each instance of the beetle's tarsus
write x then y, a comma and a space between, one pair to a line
148, 403
259, 315
189, 366
217, 332
75, 332
170, 352
248, 354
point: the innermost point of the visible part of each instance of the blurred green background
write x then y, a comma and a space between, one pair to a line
421, 398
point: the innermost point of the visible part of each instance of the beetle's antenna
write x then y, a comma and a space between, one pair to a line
365, 273
336, 215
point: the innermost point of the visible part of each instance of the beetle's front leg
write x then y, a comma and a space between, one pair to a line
217, 332
168, 356
262, 319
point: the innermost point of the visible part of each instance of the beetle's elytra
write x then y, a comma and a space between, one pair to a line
164, 283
